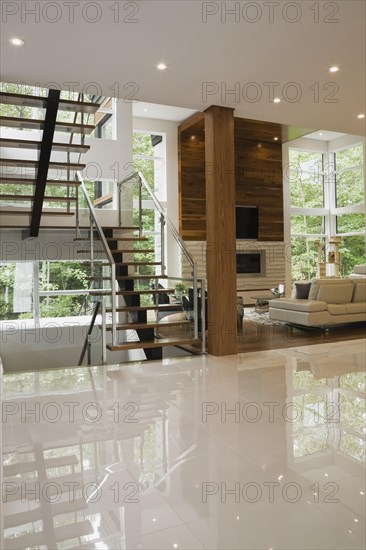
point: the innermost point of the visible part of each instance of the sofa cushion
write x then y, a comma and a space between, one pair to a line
337, 309
302, 290
360, 269
336, 294
298, 305
359, 293
313, 291
359, 307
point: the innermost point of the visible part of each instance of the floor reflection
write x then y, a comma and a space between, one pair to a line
173, 454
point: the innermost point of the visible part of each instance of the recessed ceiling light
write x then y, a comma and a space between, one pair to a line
321, 133
16, 41
276, 138
146, 110
361, 115
162, 66
334, 69
276, 100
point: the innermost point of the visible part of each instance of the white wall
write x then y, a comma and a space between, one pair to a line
170, 130
54, 343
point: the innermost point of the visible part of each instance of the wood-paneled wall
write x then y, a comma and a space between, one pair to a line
192, 187
258, 176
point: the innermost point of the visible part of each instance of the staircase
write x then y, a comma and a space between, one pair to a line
133, 292
40, 185
139, 290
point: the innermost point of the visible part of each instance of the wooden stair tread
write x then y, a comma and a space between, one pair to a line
41, 101
33, 181
158, 307
29, 212
121, 228
31, 144
128, 277
34, 164
36, 124
133, 251
137, 263
156, 343
102, 292
150, 325
31, 197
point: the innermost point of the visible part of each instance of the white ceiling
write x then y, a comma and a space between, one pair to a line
223, 53
324, 135
161, 112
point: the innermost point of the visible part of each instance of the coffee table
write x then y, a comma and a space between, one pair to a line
262, 303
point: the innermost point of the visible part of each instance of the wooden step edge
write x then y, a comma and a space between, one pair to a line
124, 239
31, 197
29, 212
70, 127
102, 292
34, 144
157, 307
150, 325
121, 228
136, 263
128, 277
32, 181
26, 100
133, 251
156, 343
34, 163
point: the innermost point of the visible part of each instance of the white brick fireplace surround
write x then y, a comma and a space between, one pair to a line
277, 254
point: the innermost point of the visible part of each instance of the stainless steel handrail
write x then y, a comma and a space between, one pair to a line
108, 254
164, 221
161, 210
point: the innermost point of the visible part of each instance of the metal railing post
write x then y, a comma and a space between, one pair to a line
114, 307
195, 302
104, 333
203, 315
140, 207
92, 247
36, 304
162, 244
77, 213
89, 352
119, 204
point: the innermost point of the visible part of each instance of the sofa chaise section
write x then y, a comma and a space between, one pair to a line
330, 302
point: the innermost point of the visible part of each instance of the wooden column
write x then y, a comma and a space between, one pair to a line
220, 227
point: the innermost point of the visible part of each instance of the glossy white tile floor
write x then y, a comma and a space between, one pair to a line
254, 451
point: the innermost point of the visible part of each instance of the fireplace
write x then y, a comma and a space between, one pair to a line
251, 263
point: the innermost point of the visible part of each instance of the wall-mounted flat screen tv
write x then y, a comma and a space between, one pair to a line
246, 222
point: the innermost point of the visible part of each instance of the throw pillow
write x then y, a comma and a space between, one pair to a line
302, 291
313, 291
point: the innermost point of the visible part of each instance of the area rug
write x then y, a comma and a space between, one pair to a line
260, 318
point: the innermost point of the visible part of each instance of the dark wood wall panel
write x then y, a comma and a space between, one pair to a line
258, 176
192, 188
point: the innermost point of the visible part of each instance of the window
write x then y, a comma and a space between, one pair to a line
306, 179
327, 199
32, 289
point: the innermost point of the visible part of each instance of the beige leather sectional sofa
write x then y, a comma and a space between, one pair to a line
330, 301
